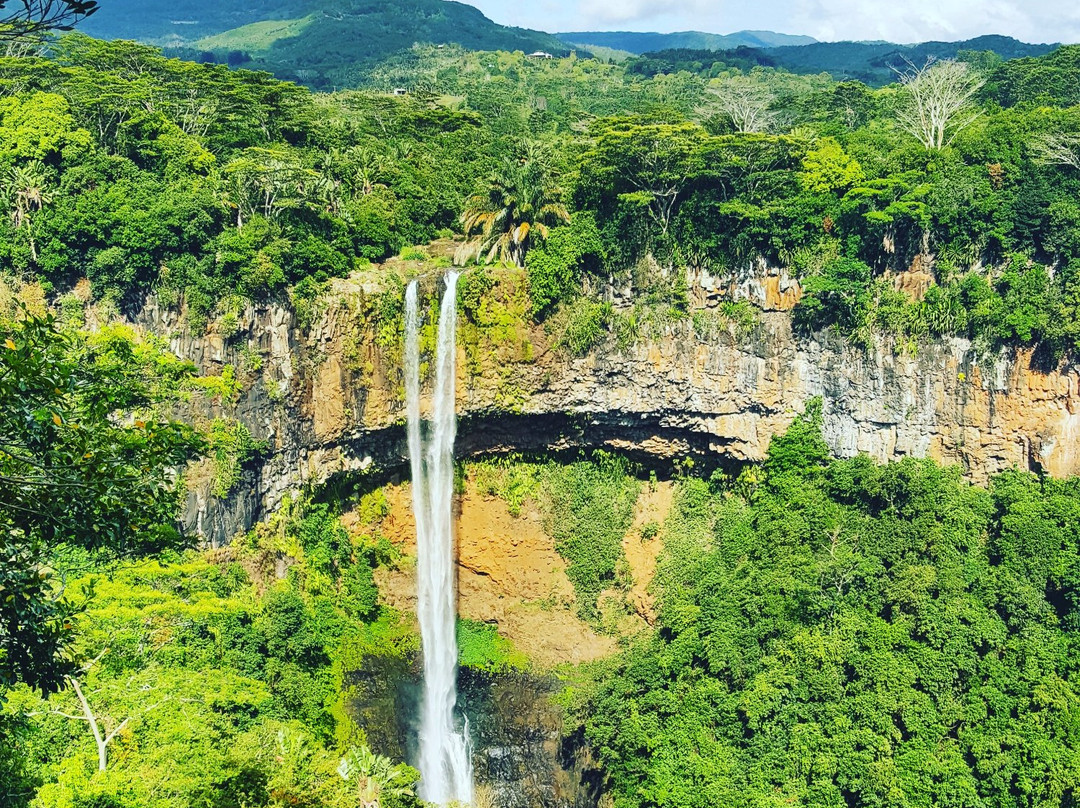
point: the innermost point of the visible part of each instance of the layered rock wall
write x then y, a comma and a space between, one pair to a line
327, 399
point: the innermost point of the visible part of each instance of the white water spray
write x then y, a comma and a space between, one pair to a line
445, 767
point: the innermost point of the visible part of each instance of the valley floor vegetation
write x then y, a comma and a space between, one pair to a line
827, 633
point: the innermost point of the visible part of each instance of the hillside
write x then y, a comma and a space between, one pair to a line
637, 43
311, 40
874, 62
169, 22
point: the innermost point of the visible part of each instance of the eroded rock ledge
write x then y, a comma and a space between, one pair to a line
326, 400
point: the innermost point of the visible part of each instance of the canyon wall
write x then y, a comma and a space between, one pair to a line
327, 399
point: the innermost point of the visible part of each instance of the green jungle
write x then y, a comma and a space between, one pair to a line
833, 633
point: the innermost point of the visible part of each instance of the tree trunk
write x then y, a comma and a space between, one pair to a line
102, 741
94, 728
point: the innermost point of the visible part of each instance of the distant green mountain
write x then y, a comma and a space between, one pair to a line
638, 43
325, 43
876, 63
313, 40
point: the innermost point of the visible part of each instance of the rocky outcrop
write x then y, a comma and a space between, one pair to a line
326, 399
769, 288
523, 755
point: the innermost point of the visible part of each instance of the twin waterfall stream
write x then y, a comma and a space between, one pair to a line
445, 765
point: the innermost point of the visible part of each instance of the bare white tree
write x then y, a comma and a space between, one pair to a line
98, 723
747, 104
101, 738
1058, 149
938, 101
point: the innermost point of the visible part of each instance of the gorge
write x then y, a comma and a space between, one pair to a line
528, 431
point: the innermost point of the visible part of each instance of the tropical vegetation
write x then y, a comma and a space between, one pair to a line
827, 632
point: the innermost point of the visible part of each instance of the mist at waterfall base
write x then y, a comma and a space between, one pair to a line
444, 756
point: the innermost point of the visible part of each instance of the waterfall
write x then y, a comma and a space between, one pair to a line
445, 767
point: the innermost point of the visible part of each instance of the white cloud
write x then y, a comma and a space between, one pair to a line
607, 12
920, 20
893, 20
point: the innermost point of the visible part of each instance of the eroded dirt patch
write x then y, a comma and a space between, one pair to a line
643, 546
509, 574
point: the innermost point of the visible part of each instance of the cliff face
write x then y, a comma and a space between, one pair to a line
327, 399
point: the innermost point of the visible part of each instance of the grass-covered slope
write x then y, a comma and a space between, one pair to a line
314, 36
170, 21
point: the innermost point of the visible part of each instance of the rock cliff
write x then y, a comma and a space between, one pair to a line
326, 398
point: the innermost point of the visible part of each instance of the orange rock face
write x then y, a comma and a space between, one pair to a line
508, 574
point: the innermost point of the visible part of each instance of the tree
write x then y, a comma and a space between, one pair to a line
802, 449
1058, 149
827, 168
938, 101
79, 466
645, 165
839, 295
267, 181
103, 736
102, 739
745, 103
514, 213
26, 192
556, 269
31, 18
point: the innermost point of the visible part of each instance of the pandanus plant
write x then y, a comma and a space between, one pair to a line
513, 214
372, 777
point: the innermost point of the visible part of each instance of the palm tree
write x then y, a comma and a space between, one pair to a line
372, 777
266, 182
514, 213
369, 170
26, 192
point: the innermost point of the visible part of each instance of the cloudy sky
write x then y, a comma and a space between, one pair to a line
893, 20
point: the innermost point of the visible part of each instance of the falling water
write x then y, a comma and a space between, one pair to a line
445, 769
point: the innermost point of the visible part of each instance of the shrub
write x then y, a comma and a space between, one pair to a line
557, 267
588, 509
584, 326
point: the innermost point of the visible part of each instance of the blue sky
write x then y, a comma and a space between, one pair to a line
894, 20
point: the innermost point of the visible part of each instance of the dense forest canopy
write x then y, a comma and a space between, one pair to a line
849, 634
829, 633
210, 185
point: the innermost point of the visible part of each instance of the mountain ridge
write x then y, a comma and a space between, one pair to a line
637, 42
877, 63
328, 43
873, 63
310, 38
